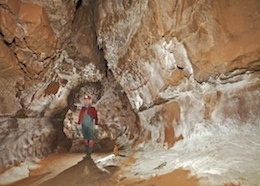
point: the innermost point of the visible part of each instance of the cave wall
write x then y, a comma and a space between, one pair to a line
49, 59
43, 58
174, 64
118, 123
183, 63
151, 45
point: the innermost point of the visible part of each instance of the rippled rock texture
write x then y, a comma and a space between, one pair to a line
155, 69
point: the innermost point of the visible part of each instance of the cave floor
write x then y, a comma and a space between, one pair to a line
68, 169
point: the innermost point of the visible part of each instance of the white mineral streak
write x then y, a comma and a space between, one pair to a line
12, 174
151, 79
224, 149
54, 103
23, 139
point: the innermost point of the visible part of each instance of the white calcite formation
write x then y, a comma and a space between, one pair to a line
160, 73
22, 138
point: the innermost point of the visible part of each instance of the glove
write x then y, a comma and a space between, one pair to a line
96, 131
78, 129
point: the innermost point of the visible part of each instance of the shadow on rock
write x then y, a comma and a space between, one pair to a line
84, 173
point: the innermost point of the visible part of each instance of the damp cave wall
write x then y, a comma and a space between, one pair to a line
171, 64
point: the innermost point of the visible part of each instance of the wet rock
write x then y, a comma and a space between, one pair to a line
173, 65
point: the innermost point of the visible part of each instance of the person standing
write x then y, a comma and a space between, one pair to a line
88, 119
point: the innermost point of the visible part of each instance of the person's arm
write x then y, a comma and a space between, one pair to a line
96, 117
81, 113
93, 113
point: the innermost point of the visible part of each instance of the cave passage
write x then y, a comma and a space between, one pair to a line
176, 85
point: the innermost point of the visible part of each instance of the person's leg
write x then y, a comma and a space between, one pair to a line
89, 143
87, 148
90, 147
91, 137
87, 128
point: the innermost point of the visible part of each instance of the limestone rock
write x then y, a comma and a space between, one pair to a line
9, 26
175, 65
38, 33
12, 5
11, 79
23, 138
201, 38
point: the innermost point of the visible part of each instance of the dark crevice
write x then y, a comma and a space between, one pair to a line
1, 35
6, 42
179, 67
79, 3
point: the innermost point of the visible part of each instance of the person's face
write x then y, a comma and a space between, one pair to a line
86, 101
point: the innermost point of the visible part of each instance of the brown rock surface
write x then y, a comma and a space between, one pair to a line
174, 64
204, 38
38, 33
11, 79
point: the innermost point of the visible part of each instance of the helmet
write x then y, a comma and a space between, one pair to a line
87, 97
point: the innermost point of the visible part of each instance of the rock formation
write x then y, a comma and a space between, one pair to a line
154, 68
